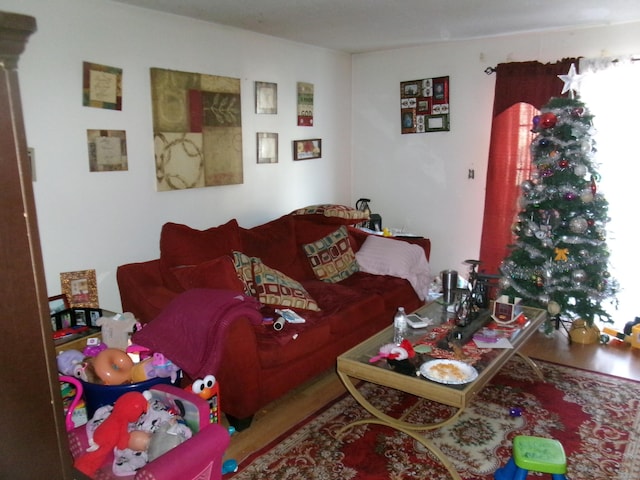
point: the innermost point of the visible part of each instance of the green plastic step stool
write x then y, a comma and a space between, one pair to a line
535, 454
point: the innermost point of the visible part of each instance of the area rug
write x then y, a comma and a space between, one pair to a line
596, 418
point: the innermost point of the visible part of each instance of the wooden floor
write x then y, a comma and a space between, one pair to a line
616, 358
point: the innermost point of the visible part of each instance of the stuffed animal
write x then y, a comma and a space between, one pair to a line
391, 351
113, 432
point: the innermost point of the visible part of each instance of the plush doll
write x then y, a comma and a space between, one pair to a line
391, 351
113, 432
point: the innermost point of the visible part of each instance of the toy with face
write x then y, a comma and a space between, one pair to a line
113, 432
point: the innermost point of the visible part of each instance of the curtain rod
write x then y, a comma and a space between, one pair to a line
491, 70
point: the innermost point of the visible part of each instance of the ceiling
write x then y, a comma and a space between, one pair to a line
358, 26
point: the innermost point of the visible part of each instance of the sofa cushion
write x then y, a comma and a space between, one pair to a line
393, 291
273, 242
333, 214
181, 245
345, 308
293, 342
218, 273
388, 256
331, 257
270, 286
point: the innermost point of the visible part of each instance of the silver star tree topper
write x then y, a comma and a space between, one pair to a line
571, 81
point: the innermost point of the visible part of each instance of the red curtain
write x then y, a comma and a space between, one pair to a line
518, 83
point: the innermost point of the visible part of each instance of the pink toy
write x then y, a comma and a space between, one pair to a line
68, 421
164, 367
157, 366
113, 432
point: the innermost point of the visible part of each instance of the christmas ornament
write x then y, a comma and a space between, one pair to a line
586, 196
553, 308
577, 112
579, 276
578, 225
561, 254
548, 120
580, 170
536, 121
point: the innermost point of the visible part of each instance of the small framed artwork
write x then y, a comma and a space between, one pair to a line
58, 304
266, 98
80, 288
305, 104
267, 147
101, 86
424, 105
107, 150
307, 149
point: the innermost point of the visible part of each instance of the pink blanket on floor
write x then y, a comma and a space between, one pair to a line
191, 330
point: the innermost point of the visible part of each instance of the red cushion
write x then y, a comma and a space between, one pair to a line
218, 274
273, 242
181, 245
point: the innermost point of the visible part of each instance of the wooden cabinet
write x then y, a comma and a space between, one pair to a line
33, 441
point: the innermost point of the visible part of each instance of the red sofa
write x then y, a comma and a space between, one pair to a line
258, 363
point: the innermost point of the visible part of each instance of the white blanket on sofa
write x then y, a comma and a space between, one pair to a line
388, 256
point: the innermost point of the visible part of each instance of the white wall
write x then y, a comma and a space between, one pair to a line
101, 220
419, 181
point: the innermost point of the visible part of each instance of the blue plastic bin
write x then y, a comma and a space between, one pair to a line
98, 395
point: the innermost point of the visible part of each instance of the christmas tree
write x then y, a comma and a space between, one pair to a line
560, 258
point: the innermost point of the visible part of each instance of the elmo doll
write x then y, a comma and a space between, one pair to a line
113, 432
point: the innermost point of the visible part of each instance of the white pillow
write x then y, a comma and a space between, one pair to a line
388, 256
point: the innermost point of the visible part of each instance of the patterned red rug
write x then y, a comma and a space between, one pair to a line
596, 417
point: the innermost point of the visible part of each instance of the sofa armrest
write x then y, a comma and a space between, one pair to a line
239, 373
142, 291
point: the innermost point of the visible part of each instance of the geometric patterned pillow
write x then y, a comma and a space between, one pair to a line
275, 288
242, 264
270, 286
332, 213
331, 257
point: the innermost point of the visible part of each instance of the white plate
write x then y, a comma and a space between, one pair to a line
450, 372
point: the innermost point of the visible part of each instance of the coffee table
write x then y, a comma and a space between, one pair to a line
354, 365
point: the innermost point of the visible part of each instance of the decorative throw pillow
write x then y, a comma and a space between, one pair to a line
331, 213
219, 273
242, 264
181, 245
275, 288
331, 257
270, 286
388, 256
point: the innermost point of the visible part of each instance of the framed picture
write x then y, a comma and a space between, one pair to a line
107, 150
58, 304
80, 288
266, 98
424, 105
267, 147
307, 149
101, 86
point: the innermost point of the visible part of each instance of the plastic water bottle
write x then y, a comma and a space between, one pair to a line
399, 326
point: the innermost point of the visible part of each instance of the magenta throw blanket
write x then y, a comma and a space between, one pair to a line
191, 330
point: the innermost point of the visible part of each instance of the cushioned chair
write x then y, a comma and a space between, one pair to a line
200, 457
